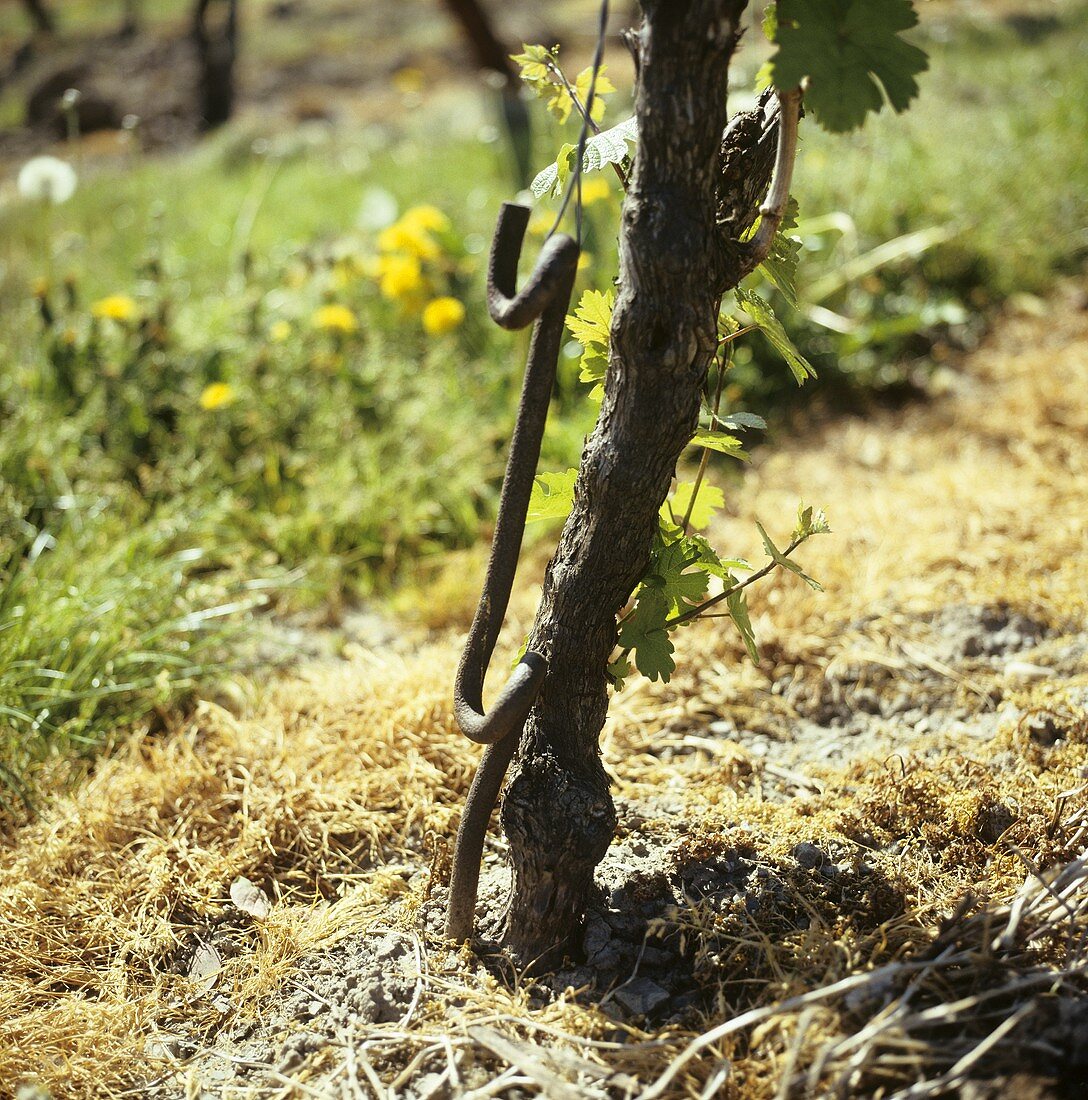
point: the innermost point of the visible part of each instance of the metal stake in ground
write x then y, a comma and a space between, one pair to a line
544, 299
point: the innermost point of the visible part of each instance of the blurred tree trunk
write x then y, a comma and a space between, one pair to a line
130, 19
557, 812
40, 15
217, 49
488, 50
491, 55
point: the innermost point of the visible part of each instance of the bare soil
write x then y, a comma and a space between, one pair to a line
298, 62
857, 869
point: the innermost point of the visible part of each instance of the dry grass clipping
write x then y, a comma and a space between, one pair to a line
959, 947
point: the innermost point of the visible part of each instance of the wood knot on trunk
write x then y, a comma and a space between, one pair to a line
745, 163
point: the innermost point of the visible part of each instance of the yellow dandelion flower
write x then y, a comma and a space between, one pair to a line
401, 276
410, 239
280, 331
442, 315
40, 287
595, 190
217, 395
116, 307
427, 218
336, 318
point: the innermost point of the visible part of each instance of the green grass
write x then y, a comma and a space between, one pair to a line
97, 629
994, 147
349, 458
991, 157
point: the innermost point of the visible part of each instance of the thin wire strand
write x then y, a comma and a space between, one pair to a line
575, 183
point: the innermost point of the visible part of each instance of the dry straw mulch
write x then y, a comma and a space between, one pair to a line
952, 949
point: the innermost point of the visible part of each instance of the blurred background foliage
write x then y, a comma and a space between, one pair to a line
248, 369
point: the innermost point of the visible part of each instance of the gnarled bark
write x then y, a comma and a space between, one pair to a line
557, 813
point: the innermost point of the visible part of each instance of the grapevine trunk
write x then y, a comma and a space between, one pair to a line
557, 813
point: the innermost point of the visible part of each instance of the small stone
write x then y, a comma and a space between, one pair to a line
250, 898
618, 916
577, 978
809, 856
641, 996
608, 958
597, 938
161, 1047
654, 956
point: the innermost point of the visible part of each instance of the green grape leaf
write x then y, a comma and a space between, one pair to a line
522, 650
644, 633
810, 522
533, 66
707, 558
601, 88
610, 146
762, 315
618, 671
770, 21
852, 54
667, 531
776, 555
560, 102
607, 147
589, 325
780, 266
738, 421
592, 367
737, 603
668, 573
554, 178
708, 501
552, 496
539, 68
721, 442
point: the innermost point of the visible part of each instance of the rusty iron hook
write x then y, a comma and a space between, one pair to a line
544, 299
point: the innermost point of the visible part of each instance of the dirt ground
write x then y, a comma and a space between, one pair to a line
855, 870
322, 60
318, 60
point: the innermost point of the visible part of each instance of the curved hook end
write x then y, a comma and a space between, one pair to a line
558, 261
510, 709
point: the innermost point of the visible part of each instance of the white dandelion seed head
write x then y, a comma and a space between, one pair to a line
48, 179
377, 209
